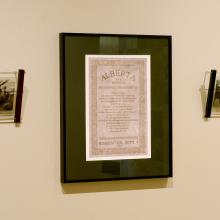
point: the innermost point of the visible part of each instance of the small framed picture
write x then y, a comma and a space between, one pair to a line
8, 87
116, 106
216, 101
11, 89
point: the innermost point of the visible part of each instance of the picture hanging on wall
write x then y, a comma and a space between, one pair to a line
11, 90
7, 95
116, 106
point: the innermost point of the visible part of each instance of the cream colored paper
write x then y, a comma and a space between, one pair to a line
118, 106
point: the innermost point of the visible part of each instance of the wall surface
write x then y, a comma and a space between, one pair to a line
30, 186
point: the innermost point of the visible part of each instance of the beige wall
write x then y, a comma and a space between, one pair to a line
30, 188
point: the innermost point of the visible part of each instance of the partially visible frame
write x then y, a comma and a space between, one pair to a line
11, 92
142, 70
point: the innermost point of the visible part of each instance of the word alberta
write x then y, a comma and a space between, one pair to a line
118, 73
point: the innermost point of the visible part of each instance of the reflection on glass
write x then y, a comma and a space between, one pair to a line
109, 45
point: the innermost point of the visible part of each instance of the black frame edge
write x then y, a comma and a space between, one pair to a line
170, 110
109, 34
17, 117
118, 179
62, 109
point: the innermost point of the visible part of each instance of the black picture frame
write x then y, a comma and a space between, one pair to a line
73, 48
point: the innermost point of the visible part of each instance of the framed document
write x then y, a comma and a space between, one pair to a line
116, 107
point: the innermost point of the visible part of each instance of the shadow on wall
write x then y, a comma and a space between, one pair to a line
116, 185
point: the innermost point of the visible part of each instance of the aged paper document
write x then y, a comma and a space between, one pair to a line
118, 107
